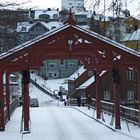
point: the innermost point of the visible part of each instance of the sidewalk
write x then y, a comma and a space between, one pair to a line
128, 129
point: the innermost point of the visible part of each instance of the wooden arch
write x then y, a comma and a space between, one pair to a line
68, 42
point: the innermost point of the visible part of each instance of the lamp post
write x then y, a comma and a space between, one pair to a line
70, 42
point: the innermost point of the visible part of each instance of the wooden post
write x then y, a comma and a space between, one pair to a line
139, 95
98, 95
2, 122
116, 87
117, 106
8, 94
26, 79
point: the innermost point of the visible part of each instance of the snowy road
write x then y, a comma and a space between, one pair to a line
53, 122
60, 123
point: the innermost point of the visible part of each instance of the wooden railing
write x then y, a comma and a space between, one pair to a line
129, 114
13, 105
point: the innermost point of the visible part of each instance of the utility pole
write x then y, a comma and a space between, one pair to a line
104, 16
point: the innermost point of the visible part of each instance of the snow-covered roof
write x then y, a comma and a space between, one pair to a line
132, 36
26, 25
85, 26
29, 25
55, 24
87, 83
79, 72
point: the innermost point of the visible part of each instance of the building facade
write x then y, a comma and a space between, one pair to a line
74, 5
128, 87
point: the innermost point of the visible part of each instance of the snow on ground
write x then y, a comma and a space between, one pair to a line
53, 121
52, 85
44, 100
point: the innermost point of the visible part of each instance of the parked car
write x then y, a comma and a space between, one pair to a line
34, 102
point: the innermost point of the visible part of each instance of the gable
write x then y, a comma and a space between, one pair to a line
88, 47
38, 27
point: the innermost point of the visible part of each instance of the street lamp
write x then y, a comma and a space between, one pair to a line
70, 42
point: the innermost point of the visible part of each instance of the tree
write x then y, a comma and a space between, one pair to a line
8, 22
13, 3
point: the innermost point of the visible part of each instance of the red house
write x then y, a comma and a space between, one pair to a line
75, 80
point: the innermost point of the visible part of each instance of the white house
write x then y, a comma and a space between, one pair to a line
74, 5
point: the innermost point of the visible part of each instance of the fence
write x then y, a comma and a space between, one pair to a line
43, 89
13, 105
129, 114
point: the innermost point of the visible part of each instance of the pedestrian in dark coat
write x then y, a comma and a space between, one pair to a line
65, 102
79, 100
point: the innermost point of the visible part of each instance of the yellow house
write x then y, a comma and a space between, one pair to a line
132, 40
132, 23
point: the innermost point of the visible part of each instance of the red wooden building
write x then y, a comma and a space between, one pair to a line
128, 88
69, 42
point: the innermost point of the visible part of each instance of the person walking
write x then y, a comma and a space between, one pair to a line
79, 100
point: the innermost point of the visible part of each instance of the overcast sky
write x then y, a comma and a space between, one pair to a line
132, 5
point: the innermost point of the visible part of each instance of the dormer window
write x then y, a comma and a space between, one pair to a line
55, 16
23, 29
44, 16
53, 27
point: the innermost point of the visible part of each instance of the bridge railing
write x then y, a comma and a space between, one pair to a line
13, 105
127, 113
43, 89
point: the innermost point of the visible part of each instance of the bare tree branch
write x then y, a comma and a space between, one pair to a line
13, 3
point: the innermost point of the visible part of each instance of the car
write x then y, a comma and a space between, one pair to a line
34, 102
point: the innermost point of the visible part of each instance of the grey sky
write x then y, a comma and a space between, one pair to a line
132, 5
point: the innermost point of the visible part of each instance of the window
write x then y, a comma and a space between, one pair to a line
52, 65
130, 74
50, 75
71, 65
55, 16
90, 73
53, 27
23, 29
130, 95
107, 95
62, 67
55, 75
44, 16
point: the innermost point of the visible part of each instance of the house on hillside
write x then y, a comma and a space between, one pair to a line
87, 88
132, 23
74, 5
29, 30
116, 30
132, 40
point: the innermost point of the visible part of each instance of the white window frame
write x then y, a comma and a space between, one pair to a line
107, 95
90, 73
71, 65
52, 65
130, 95
130, 74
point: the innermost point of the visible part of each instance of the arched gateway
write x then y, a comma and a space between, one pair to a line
68, 42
